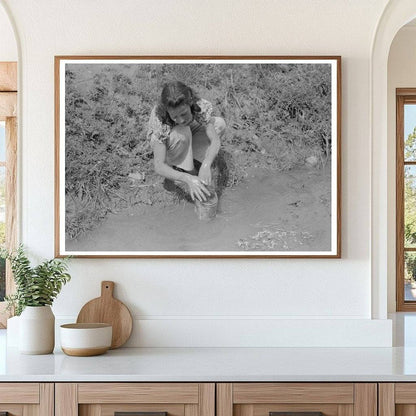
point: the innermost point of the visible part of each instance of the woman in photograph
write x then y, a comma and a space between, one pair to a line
185, 139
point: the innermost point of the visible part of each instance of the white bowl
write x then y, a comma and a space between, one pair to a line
84, 340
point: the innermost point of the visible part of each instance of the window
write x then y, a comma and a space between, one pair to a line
8, 170
406, 199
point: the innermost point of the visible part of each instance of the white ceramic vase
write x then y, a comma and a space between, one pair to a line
37, 330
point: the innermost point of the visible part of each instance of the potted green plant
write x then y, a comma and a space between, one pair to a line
36, 289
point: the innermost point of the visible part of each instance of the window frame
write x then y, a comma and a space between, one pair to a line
403, 96
8, 113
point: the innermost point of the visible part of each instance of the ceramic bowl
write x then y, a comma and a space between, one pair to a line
83, 340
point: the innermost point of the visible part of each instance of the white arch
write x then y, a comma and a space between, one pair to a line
8, 13
396, 14
5, 7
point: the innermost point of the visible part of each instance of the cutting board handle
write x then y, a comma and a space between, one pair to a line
107, 289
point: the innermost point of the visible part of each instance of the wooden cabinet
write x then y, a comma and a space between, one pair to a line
397, 399
27, 399
208, 399
297, 399
106, 399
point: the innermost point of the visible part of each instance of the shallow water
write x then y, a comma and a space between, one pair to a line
287, 211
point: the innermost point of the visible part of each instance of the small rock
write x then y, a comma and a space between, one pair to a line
311, 160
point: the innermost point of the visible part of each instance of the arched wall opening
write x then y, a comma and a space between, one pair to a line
395, 16
9, 59
401, 74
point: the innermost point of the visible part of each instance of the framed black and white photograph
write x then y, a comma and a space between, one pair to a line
197, 156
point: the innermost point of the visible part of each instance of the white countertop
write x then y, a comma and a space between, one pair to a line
213, 364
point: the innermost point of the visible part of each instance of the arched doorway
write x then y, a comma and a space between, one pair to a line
396, 14
8, 148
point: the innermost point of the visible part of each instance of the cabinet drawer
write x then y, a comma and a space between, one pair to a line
107, 399
296, 399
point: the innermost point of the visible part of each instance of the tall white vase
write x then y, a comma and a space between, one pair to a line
37, 330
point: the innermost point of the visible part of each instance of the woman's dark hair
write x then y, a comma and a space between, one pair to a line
173, 95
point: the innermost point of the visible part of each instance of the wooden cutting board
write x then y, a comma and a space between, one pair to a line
107, 309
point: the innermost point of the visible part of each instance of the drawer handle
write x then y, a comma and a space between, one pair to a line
138, 414
296, 414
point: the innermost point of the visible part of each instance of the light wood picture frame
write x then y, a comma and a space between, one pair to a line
122, 191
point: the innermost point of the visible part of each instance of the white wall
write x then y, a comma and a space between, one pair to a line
211, 302
401, 74
8, 47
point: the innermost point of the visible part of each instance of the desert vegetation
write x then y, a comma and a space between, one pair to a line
278, 116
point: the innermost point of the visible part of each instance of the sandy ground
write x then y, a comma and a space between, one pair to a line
287, 211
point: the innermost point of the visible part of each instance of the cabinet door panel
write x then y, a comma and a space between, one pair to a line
265, 409
293, 393
331, 399
27, 399
397, 399
110, 409
405, 410
138, 393
104, 399
405, 393
12, 409
19, 393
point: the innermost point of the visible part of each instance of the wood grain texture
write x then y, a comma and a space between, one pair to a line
27, 393
264, 409
403, 96
293, 393
8, 105
66, 399
345, 410
405, 91
207, 399
31, 410
224, 399
405, 410
246, 410
386, 399
84, 352
138, 393
400, 304
57, 161
191, 410
11, 206
405, 393
90, 410
13, 409
171, 409
47, 399
11, 196
339, 160
365, 399
8, 76
107, 309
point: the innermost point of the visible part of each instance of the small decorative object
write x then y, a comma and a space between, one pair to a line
267, 127
84, 340
107, 309
36, 330
36, 289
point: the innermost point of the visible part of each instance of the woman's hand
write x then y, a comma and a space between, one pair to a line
205, 174
197, 189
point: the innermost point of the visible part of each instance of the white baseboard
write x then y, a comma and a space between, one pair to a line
165, 332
